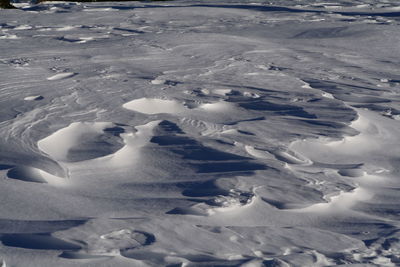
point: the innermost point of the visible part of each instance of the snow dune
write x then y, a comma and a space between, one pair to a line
60, 76
81, 141
30, 174
154, 106
157, 106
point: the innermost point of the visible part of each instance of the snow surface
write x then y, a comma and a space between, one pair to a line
200, 133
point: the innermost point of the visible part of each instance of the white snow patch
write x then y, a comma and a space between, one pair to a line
60, 76
33, 98
154, 106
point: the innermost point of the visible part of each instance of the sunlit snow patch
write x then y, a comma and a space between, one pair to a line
60, 76
154, 106
31, 174
157, 106
82, 141
33, 98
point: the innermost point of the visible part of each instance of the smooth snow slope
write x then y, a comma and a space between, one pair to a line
200, 133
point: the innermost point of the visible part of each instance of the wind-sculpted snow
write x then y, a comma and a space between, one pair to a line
200, 133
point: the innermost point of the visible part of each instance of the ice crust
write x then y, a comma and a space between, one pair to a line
200, 133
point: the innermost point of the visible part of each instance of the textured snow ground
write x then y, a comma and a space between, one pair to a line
200, 133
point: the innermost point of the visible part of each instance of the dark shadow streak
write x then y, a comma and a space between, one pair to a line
268, 9
247, 7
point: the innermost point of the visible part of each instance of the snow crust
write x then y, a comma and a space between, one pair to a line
200, 133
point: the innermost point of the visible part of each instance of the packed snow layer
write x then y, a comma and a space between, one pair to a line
200, 133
